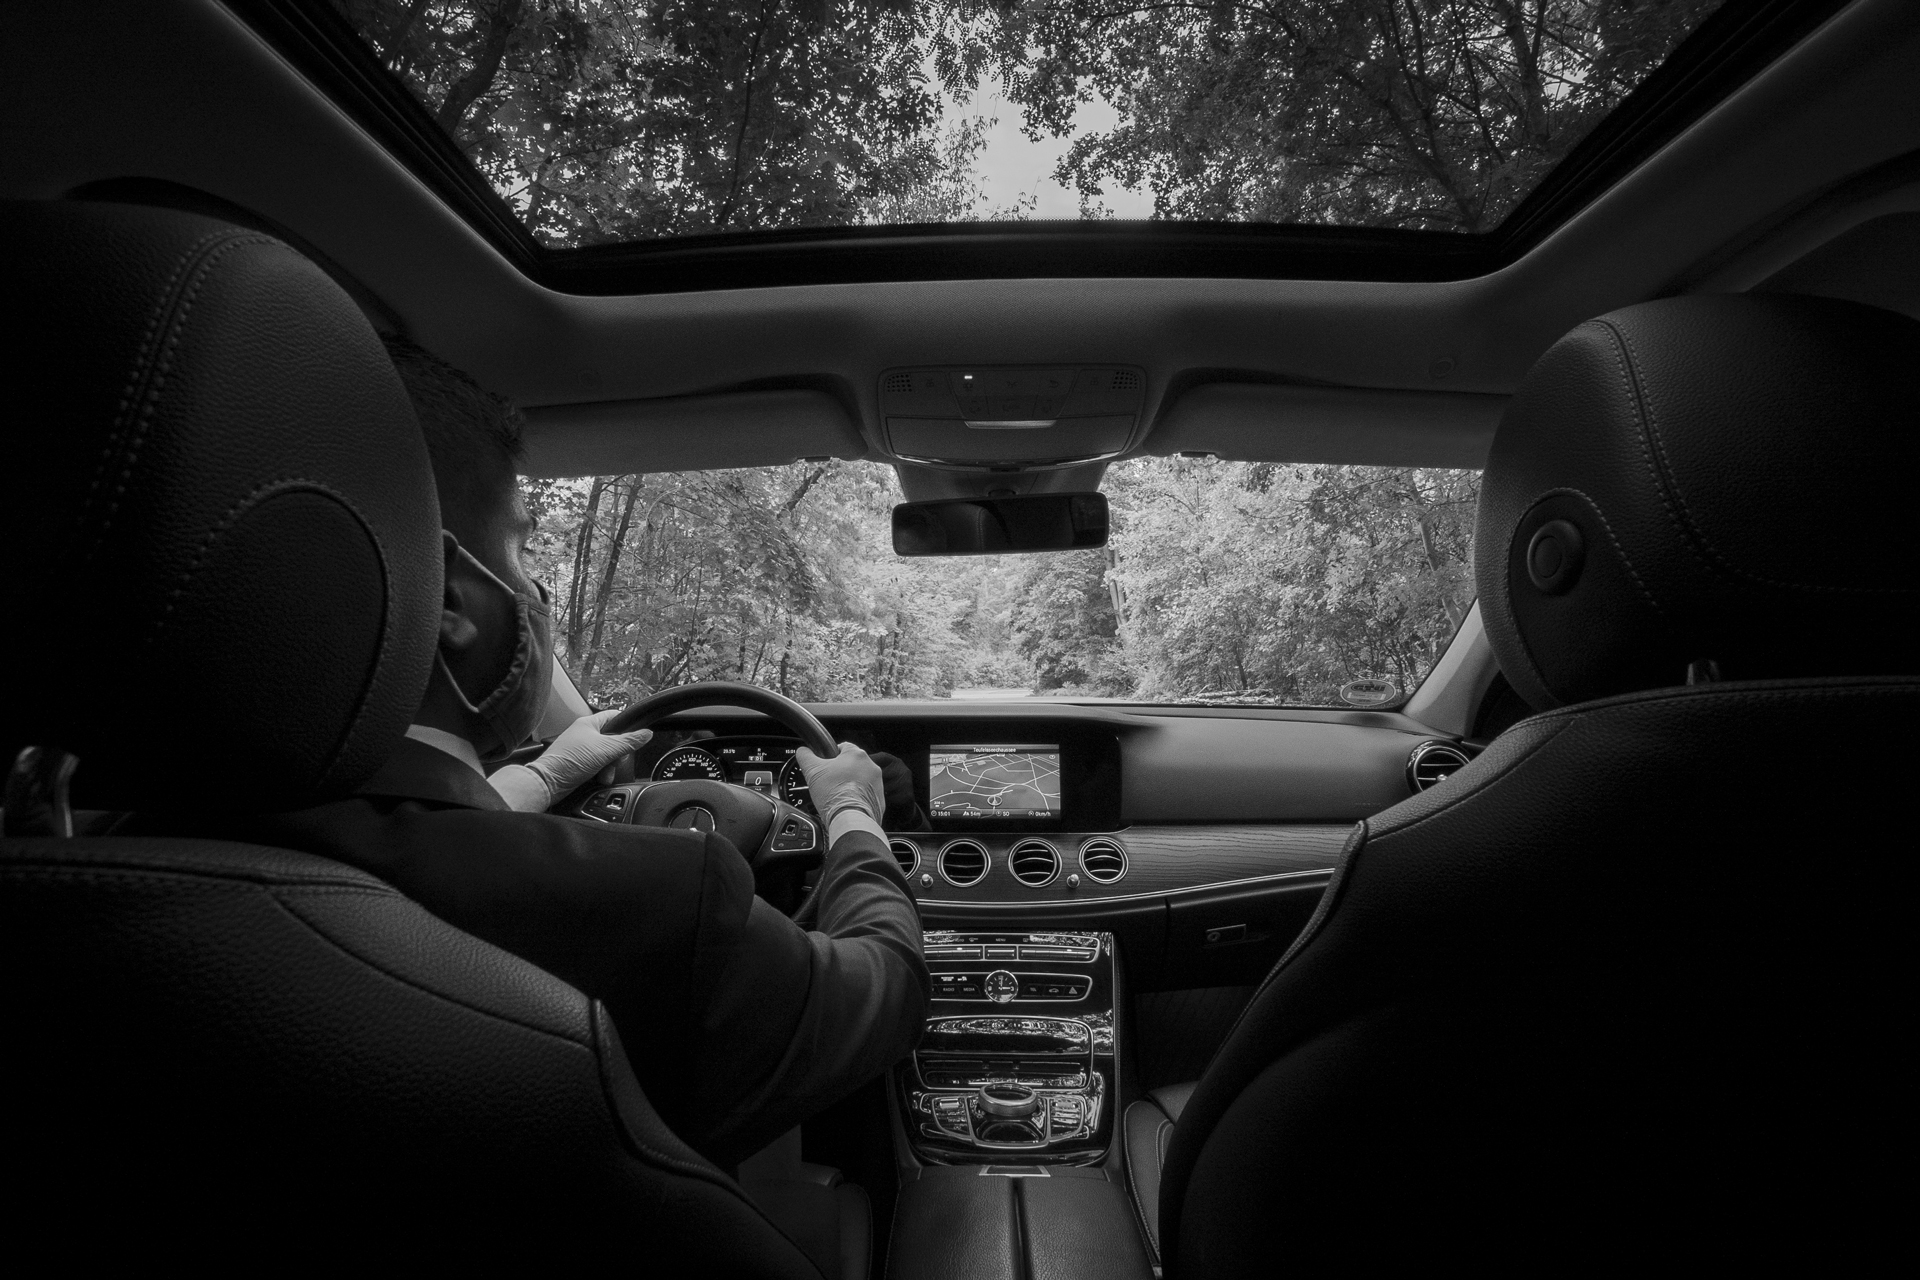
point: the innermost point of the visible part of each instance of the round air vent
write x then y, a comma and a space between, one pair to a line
1432, 763
963, 863
1104, 861
906, 853
1033, 862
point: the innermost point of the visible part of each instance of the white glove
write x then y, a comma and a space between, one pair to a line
575, 756
848, 791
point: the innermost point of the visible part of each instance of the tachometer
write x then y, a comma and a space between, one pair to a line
793, 786
688, 762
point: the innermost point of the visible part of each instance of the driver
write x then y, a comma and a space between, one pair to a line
739, 1022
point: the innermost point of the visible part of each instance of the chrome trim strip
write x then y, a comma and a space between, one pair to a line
1128, 897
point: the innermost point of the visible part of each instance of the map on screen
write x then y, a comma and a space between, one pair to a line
996, 781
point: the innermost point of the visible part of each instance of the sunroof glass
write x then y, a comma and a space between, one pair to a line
608, 121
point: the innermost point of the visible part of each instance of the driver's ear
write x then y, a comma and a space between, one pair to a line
458, 630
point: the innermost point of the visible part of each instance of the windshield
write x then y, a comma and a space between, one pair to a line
608, 121
1223, 582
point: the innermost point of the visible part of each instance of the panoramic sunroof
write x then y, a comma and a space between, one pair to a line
615, 121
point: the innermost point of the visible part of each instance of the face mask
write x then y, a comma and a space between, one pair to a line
512, 711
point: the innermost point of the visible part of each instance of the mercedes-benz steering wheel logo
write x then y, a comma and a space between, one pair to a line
692, 818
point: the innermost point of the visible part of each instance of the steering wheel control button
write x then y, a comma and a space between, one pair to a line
796, 835
607, 806
1001, 986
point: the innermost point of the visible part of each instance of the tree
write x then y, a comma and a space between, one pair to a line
609, 120
1434, 114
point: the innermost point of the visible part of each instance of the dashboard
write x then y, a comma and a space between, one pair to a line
1199, 838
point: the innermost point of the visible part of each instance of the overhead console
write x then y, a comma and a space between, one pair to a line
983, 415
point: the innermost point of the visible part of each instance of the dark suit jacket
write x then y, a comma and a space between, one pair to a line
738, 1022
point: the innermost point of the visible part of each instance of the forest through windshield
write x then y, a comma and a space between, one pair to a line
602, 121
1223, 582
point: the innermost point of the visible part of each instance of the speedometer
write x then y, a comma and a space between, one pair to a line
688, 762
793, 786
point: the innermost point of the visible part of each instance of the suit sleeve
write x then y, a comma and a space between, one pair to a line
793, 1019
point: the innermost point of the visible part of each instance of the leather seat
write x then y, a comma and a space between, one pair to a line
1630, 989
223, 535
1146, 1131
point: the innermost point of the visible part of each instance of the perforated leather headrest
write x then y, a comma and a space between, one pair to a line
1706, 479
221, 519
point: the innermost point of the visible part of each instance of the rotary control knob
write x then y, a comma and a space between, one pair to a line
1002, 986
1008, 1101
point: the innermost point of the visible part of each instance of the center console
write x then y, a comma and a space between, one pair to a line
1009, 1106
1017, 1062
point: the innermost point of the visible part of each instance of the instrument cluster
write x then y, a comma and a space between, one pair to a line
759, 763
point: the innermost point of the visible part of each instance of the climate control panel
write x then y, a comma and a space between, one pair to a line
1018, 1053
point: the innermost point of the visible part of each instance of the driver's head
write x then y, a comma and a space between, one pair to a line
496, 650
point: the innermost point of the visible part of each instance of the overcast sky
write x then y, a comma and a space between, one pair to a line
1013, 164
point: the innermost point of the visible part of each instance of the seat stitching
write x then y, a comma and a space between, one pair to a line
1133, 1185
274, 894
1653, 449
279, 895
227, 519
137, 370
153, 364
348, 880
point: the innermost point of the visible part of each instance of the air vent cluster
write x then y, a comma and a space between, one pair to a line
906, 853
963, 862
1104, 861
1433, 763
1033, 862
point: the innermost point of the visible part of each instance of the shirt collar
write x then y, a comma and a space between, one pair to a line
451, 743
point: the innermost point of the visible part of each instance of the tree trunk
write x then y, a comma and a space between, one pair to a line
499, 26
582, 563
606, 579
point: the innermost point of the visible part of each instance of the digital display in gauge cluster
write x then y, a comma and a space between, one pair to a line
746, 762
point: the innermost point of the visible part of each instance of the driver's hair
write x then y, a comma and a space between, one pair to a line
473, 437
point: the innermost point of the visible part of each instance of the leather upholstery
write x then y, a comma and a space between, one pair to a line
1622, 988
236, 1053
1146, 1130
953, 1223
1725, 462
224, 522
219, 511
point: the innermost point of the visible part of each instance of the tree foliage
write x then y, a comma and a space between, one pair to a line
1223, 581
610, 120
1390, 113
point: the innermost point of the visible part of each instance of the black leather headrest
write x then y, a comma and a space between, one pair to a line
1724, 479
220, 514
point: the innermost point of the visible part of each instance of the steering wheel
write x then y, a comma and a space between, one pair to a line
764, 827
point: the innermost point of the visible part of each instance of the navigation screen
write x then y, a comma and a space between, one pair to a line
997, 781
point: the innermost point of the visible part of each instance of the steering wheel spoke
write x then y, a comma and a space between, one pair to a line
771, 833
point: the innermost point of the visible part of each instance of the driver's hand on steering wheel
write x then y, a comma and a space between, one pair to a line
849, 792
575, 756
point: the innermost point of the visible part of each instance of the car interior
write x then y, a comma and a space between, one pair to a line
1581, 951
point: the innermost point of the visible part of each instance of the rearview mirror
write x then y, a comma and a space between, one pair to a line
993, 526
